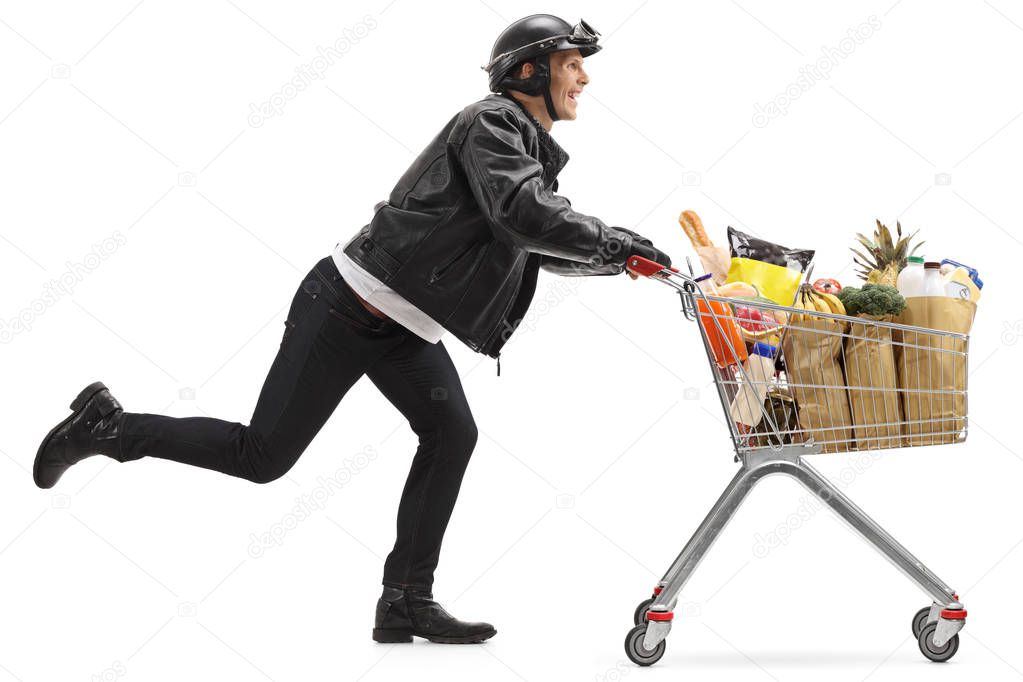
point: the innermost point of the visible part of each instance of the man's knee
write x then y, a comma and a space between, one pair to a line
263, 465
460, 435
267, 473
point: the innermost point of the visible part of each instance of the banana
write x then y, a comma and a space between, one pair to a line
834, 302
803, 302
810, 302
813, 302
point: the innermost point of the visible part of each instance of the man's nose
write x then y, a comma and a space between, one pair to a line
584, 78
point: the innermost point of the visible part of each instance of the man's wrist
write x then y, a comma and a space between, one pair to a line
614, 249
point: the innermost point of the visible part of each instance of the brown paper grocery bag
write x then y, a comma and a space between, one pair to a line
812, 348
873, 388
932, 369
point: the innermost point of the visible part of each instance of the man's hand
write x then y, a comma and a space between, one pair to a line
650, 252
642, 246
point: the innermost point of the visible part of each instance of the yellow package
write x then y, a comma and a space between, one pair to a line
774, 269
776, 282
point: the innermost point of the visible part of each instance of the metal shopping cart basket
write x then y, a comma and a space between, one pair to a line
827, 383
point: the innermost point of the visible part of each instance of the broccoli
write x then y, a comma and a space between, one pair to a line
872, 299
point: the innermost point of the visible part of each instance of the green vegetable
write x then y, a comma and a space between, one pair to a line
872, 299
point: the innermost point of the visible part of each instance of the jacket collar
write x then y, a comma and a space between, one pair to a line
553, 157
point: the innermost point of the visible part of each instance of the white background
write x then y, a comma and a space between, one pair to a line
130, 123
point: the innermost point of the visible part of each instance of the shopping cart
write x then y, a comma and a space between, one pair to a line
826, 383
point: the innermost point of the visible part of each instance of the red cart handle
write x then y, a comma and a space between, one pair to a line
644, 266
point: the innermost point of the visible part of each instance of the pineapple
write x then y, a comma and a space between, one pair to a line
887, 257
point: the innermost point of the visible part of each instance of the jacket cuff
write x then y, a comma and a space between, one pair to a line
615, 247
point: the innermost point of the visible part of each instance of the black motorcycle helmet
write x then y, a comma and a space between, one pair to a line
535, 37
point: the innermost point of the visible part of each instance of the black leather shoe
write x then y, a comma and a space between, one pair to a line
93, 428
403, 613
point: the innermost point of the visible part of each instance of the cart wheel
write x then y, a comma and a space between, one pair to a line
920, 620
936, 654
640, 615
639, 654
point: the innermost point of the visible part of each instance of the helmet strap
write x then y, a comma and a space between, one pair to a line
547, 89
538, 83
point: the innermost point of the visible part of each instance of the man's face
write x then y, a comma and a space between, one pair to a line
567, 82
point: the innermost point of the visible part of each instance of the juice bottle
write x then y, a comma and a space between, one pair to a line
726, 342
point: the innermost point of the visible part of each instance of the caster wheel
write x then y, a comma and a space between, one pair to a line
640, 615
934, 653
920, 620
639, 654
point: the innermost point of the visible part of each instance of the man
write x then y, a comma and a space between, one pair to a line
456, 247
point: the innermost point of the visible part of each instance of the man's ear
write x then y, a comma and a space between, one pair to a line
527, 71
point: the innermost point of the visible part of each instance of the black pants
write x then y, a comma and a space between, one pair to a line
330, 340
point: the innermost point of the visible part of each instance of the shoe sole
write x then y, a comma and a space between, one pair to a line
404, 636
76, 407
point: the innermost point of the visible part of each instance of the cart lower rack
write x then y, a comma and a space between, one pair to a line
816, 383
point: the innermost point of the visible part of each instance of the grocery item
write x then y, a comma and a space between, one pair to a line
748, 405
974, 275
910, 281
887, 257
779, 413
738, 289
814, 301
714, 259
959, 284
812, 348
932, 369
718, 323
755, 322
693, 227
758, 323
827, 286
876, 300
870, 366
933, 284
870, 357
774, 269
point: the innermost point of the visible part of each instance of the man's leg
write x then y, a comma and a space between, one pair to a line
420, 380
329, 341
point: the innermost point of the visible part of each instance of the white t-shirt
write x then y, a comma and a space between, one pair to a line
385, 299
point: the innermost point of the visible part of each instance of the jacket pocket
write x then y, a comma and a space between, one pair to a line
439, 271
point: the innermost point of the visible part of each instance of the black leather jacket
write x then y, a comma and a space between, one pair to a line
466, 229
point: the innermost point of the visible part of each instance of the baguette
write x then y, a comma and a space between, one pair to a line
693, 227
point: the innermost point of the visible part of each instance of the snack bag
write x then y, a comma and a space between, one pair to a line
774, 269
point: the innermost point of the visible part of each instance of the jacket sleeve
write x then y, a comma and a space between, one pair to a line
507, 184
572, 268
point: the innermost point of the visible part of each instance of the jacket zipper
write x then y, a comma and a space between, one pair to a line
440, 272
507, 309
